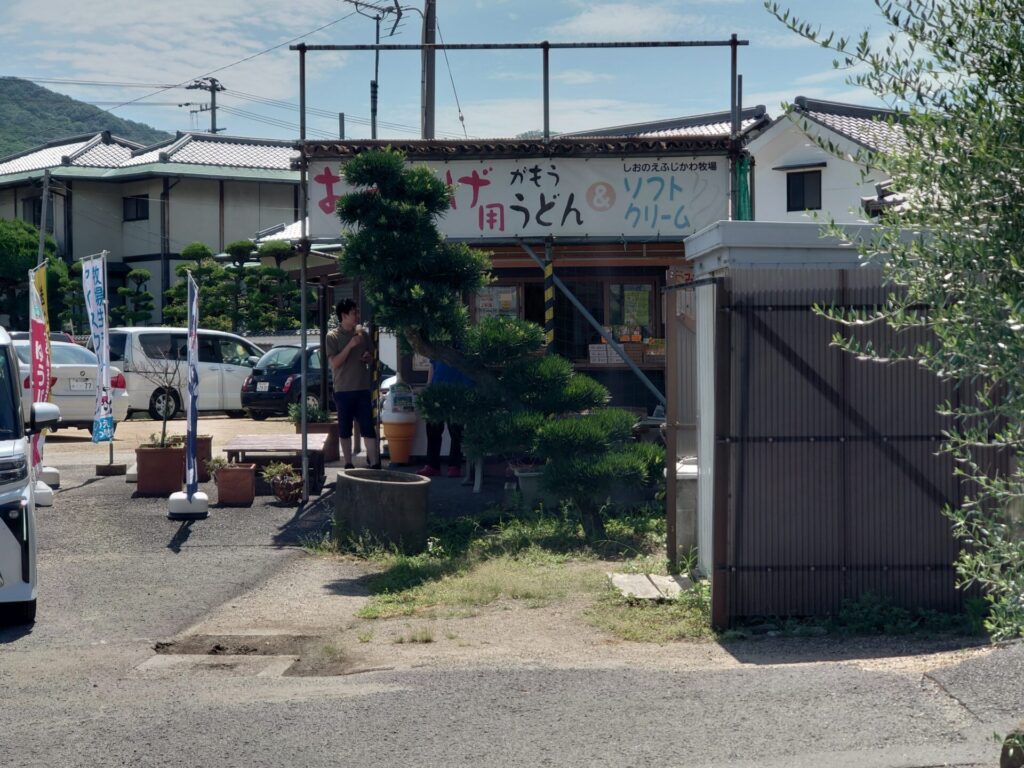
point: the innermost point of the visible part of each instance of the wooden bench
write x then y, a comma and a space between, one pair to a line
260, 449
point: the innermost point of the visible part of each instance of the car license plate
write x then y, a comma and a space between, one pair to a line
262, 386
80, 385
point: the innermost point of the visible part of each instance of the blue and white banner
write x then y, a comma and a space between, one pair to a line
94, 277
191, 470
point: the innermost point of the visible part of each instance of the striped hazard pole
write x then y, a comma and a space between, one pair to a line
549, 299
375, 334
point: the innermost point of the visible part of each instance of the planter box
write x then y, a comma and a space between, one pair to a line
236, 485
330, 428
161, 471
532, 491
389, 506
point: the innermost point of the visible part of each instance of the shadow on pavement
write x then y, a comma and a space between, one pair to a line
797, 650
180, 536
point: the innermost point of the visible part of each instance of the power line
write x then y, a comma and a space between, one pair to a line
236, 63
458, 106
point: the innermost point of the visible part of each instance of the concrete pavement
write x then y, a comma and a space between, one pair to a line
222, 641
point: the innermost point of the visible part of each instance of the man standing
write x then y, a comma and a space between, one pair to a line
350, 356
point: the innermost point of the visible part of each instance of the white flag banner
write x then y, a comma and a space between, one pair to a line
94, 275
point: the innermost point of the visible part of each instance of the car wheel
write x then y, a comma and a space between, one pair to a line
22, 613
312, 401
257, 415
164, 403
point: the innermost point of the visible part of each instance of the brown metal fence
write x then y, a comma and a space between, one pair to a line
828, 480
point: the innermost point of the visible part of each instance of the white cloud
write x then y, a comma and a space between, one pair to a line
508, 117
623, 21
568, 77
146, 41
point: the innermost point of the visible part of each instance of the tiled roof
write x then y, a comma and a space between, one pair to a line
865, 125
104, 156
210, 150
102, 150
46, 156
712, 125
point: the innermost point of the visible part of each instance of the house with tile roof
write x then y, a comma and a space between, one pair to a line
794, 176
144, 204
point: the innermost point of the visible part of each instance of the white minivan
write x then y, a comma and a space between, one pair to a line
154, 363
17, 492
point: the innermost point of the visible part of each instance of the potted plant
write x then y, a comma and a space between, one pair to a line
318, 421
160, 465
283, 480
236, 483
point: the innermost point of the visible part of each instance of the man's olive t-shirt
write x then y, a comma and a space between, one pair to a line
353, 374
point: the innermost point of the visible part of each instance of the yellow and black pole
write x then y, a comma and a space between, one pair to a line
549, 299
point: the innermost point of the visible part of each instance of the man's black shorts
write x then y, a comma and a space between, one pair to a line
355, 406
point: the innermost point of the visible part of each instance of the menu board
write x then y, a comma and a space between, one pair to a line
497, 300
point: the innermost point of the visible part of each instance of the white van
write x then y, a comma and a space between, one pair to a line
154, 363
17, 492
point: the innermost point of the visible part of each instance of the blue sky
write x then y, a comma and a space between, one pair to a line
499, 92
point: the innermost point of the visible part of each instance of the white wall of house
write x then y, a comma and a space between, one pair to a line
8, 206
195, 213
252, 206
12, 201
785, 144
96, 219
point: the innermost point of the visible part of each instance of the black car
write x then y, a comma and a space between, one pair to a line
276, 382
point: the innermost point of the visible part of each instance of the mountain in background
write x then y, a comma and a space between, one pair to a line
31, 115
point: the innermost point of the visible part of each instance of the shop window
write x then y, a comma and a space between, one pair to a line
803, 191
630, 310
136, 208
572, 331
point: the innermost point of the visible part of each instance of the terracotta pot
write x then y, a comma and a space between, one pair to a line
236, 485
330, 428
204, 452
160, 471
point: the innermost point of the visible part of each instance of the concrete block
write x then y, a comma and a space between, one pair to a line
49, 475
44, 494
646, 586
180, 508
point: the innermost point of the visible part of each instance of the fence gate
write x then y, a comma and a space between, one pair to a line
824, 481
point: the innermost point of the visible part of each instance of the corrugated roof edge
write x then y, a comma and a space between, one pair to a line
441, 150
749, 113
805, 104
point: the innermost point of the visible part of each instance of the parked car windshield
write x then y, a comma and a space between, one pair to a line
279, 357
60, 354
10, 394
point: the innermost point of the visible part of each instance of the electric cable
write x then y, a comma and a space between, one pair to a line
458, 106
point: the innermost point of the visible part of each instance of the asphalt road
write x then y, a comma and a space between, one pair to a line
84, 686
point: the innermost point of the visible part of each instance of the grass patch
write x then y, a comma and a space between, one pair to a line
421, 635
685, 618
527, 559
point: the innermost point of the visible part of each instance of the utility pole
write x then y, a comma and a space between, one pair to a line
211, 85
427, 84
43, 215
379, 12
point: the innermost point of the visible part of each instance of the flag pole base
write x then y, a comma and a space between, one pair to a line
49, 475
109, 470
43, 494
180, 508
